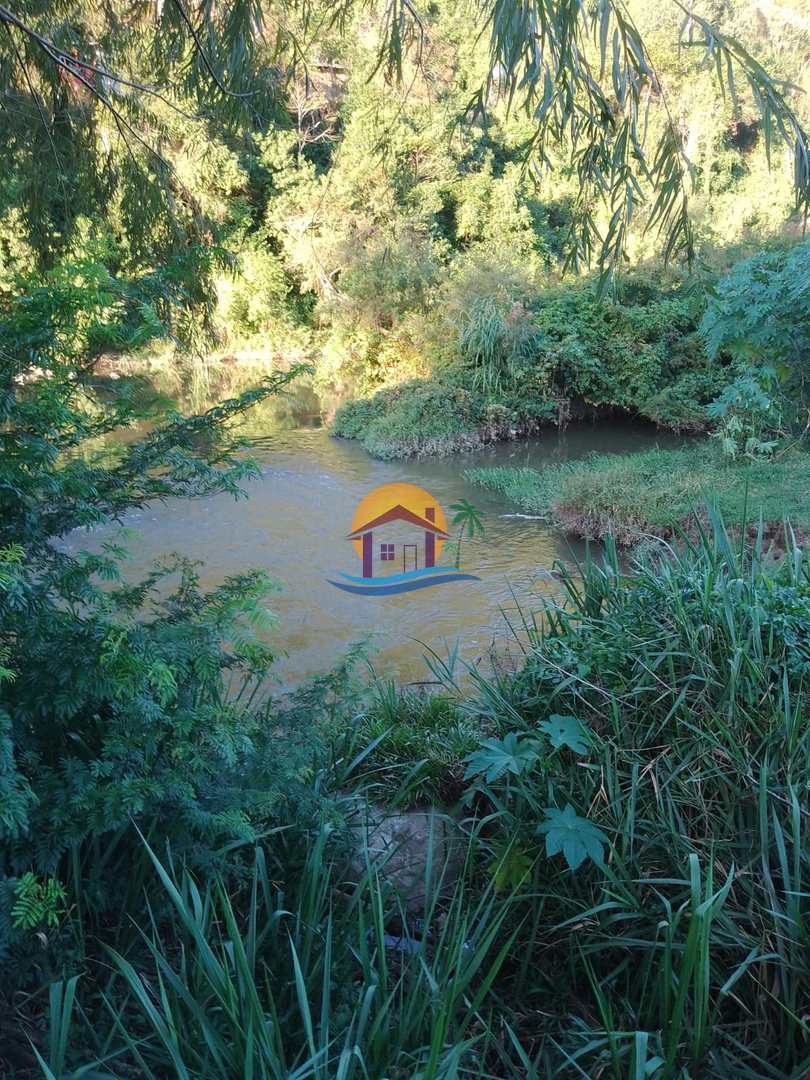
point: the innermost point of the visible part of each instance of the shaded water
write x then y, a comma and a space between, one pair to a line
296, 519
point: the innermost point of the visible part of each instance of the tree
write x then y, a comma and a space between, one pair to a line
760, 311
583, 72
113, 702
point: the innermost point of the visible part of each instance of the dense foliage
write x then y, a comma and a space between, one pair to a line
760, 315
120, 700
582, 79
549, 355
461, 233
354, 208
673, 763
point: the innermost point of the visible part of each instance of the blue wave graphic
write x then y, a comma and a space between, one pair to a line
410, 575
399, 583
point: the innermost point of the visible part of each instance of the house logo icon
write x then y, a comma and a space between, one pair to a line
398, 531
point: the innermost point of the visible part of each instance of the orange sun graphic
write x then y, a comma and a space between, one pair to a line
388, 496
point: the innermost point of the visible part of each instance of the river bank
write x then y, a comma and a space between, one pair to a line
651, 494
510, 362
503, 356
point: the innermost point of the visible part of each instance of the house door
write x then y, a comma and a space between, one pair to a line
410, 557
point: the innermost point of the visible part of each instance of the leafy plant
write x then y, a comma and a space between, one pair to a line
748, 415
576, 837
37, 902
567, 731
760, 311
518, 756
119, 699
497, 757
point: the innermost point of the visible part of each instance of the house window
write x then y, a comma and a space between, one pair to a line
387, 552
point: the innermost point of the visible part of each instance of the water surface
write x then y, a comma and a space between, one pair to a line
296, 519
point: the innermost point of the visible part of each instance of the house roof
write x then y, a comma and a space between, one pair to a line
399, 513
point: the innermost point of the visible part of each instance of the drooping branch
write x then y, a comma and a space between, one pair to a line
74, 65
541, 58
582, 72
198, 45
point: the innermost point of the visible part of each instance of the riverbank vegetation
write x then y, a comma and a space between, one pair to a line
634, 497
607, 862
753, 465
527, 357
616, 888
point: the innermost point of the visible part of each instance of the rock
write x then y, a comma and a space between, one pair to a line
416, 851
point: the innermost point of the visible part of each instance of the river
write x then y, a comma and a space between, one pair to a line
298, 513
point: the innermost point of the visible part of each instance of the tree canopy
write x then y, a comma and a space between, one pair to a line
99, 99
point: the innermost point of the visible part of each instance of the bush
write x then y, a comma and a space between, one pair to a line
439, 416
761, 311
255, 298
508, 356
414, 744
120, 701
615, 353
748, 415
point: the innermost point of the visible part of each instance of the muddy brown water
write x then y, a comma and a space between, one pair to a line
295, 522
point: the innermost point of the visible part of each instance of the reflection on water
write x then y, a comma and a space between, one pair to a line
295, 522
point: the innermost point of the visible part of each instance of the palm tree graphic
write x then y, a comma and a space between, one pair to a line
468, 518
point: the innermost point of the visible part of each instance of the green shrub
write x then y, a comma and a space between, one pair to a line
508, 356
119, 701
422, 418
761, 311
254, 299
440, 416
748, 415
614, 353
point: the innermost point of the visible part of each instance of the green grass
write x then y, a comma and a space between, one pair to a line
648, 493
417, 742
686, 952
286, 981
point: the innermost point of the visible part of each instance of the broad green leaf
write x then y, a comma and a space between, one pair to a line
574, 836
499, 756
567, 731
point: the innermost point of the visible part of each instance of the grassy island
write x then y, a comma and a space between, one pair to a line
636, 496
